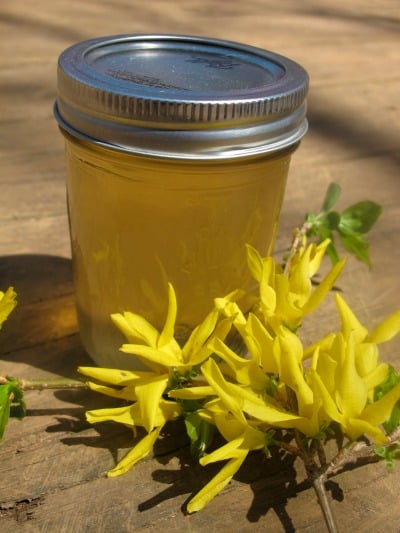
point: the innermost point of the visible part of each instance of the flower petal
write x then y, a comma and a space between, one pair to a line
259, 342
7, 303
350, 322
194, 350
367, 355
222, 388
167, 411
191, 393
122, 415
227, 451
135, 328
126, 393
149, 395
217, 483
254, 262
137, 453
263, 410
228, 426
379, 411
114, 376
355, 427
291, 371
386, 330
321, 392
320, 292
377, 376
351, 392
167, 333
246, 371
152, 355
316, 255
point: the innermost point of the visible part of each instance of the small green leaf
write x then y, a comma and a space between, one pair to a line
394, 419
272, 386
357, 245
389, 454
331, 197
269, 441
332, 220
332, 253
190, 405
11, 402
200, 434
351, 225
392, 379
360, 217
312, 221
192, 423
4, 407
324, 232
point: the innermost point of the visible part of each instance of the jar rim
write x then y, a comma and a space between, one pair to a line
184, 95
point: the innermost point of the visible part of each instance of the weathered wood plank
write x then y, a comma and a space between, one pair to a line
52, 464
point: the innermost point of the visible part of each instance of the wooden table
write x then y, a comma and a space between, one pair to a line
52, 464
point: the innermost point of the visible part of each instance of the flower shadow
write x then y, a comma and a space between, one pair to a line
42, 332
273, 481
77, 431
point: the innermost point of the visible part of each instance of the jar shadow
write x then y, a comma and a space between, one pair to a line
41, 332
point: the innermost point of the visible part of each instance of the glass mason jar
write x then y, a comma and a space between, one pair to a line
178, 150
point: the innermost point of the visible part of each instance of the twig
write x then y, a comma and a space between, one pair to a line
319, 487
350, 455
42, 384
357, 451
58, 383
296, 243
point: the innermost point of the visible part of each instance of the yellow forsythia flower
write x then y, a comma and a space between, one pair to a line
346, 373
161, 351
277, 385
165, 358
285, 299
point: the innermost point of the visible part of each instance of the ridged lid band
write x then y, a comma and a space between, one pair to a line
179, 96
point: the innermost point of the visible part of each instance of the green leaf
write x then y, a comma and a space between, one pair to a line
200, 434
360, 217
18, 393
313, 224
389, 454
332, 220
4, 407
394, 419
206, 436
357, 245
269, 441
190, 405
332, 253
331, 197
272, 385
192, 423
11, 402
392, 379
351, 225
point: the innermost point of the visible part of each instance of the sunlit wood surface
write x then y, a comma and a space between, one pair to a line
52, 464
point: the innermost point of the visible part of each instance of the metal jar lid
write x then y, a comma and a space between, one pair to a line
181, 96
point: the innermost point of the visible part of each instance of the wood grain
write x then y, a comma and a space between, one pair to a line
52, 464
